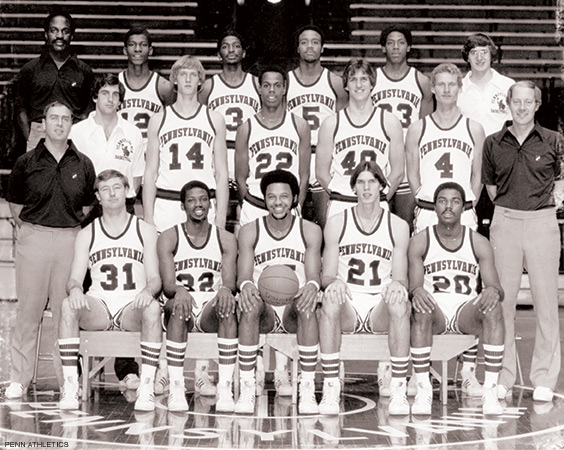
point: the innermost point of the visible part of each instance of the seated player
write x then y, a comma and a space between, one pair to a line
121, 252
197, 265
445, 263
365, 281
279, 238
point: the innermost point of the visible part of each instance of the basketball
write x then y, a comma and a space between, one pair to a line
278, 285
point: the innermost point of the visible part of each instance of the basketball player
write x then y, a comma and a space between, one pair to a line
121, 252
314, 93
146, 92
359, 132
278, 238
406, 93
197, 266
233, 93
446, 261
186, 141
365, 286
444, 146
271, 139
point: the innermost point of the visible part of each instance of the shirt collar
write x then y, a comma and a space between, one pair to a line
43, 152
537, 129
46, 56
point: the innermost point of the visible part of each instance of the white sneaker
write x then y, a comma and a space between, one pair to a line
282, 383
307, 403
543, 394
329, 404
490, 403
423, 400
503, 392
246, 402
204, 385
15, 390
145, 397
161, 380
131, 382
224, 398
412, 386
384, 373
69, 396
259, 377
177, 397
398, 406
470, 384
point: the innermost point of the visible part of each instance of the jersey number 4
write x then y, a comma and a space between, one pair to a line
194, 155
357, 267
112, 274
444, 166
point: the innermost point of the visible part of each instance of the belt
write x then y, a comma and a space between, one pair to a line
255, 201
431, 206
350, 198
175, 195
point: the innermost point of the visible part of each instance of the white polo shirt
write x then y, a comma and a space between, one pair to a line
486, 106
123, 150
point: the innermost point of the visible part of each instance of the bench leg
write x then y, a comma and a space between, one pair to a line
444, 382
85, 378
295, 362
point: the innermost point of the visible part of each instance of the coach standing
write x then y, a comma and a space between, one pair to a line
48, 189
56, 75
520, 165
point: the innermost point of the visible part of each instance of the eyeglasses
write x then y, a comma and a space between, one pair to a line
482, 52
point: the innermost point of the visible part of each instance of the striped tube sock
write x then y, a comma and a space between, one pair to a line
227, 348
469, 358
308, 360
150, 352
175, 354
330, 365
247, 360
399, 366
68, 349
493, 355
421, 358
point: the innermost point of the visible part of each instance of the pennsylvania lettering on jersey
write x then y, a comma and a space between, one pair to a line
234, 99
397, 93
361, 139
451, 264
275, 253
311, 98
187, 132
446, 143
197, 263
116, 252
365, 249
140, 103
273, 141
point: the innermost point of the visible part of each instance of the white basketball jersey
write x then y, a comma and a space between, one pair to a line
445, 155
356, 143
365, 259
198, 268
270, 149
235, 103
139, 105
314, 102
186, 149
400, 97
288, 250
116, 264
451, 275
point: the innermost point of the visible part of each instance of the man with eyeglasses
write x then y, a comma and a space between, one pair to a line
520, 165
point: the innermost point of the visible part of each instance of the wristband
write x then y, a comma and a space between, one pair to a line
225, 287
315, 283
244, 283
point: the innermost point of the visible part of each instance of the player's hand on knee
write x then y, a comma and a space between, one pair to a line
422, 301
143, 299
488, 299
181, 304
307, 298
224, 302
394, 292
338, 291
77, 300
249, 297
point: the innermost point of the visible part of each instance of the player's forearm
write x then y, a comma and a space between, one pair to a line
23, 122
73, 284
324, 178
149, 195
222, 200
154, 286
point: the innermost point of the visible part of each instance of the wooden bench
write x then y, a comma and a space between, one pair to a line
359, 347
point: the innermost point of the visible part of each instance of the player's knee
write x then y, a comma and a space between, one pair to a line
421, 319
494, 317
330, 312
399, 310
67, 312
